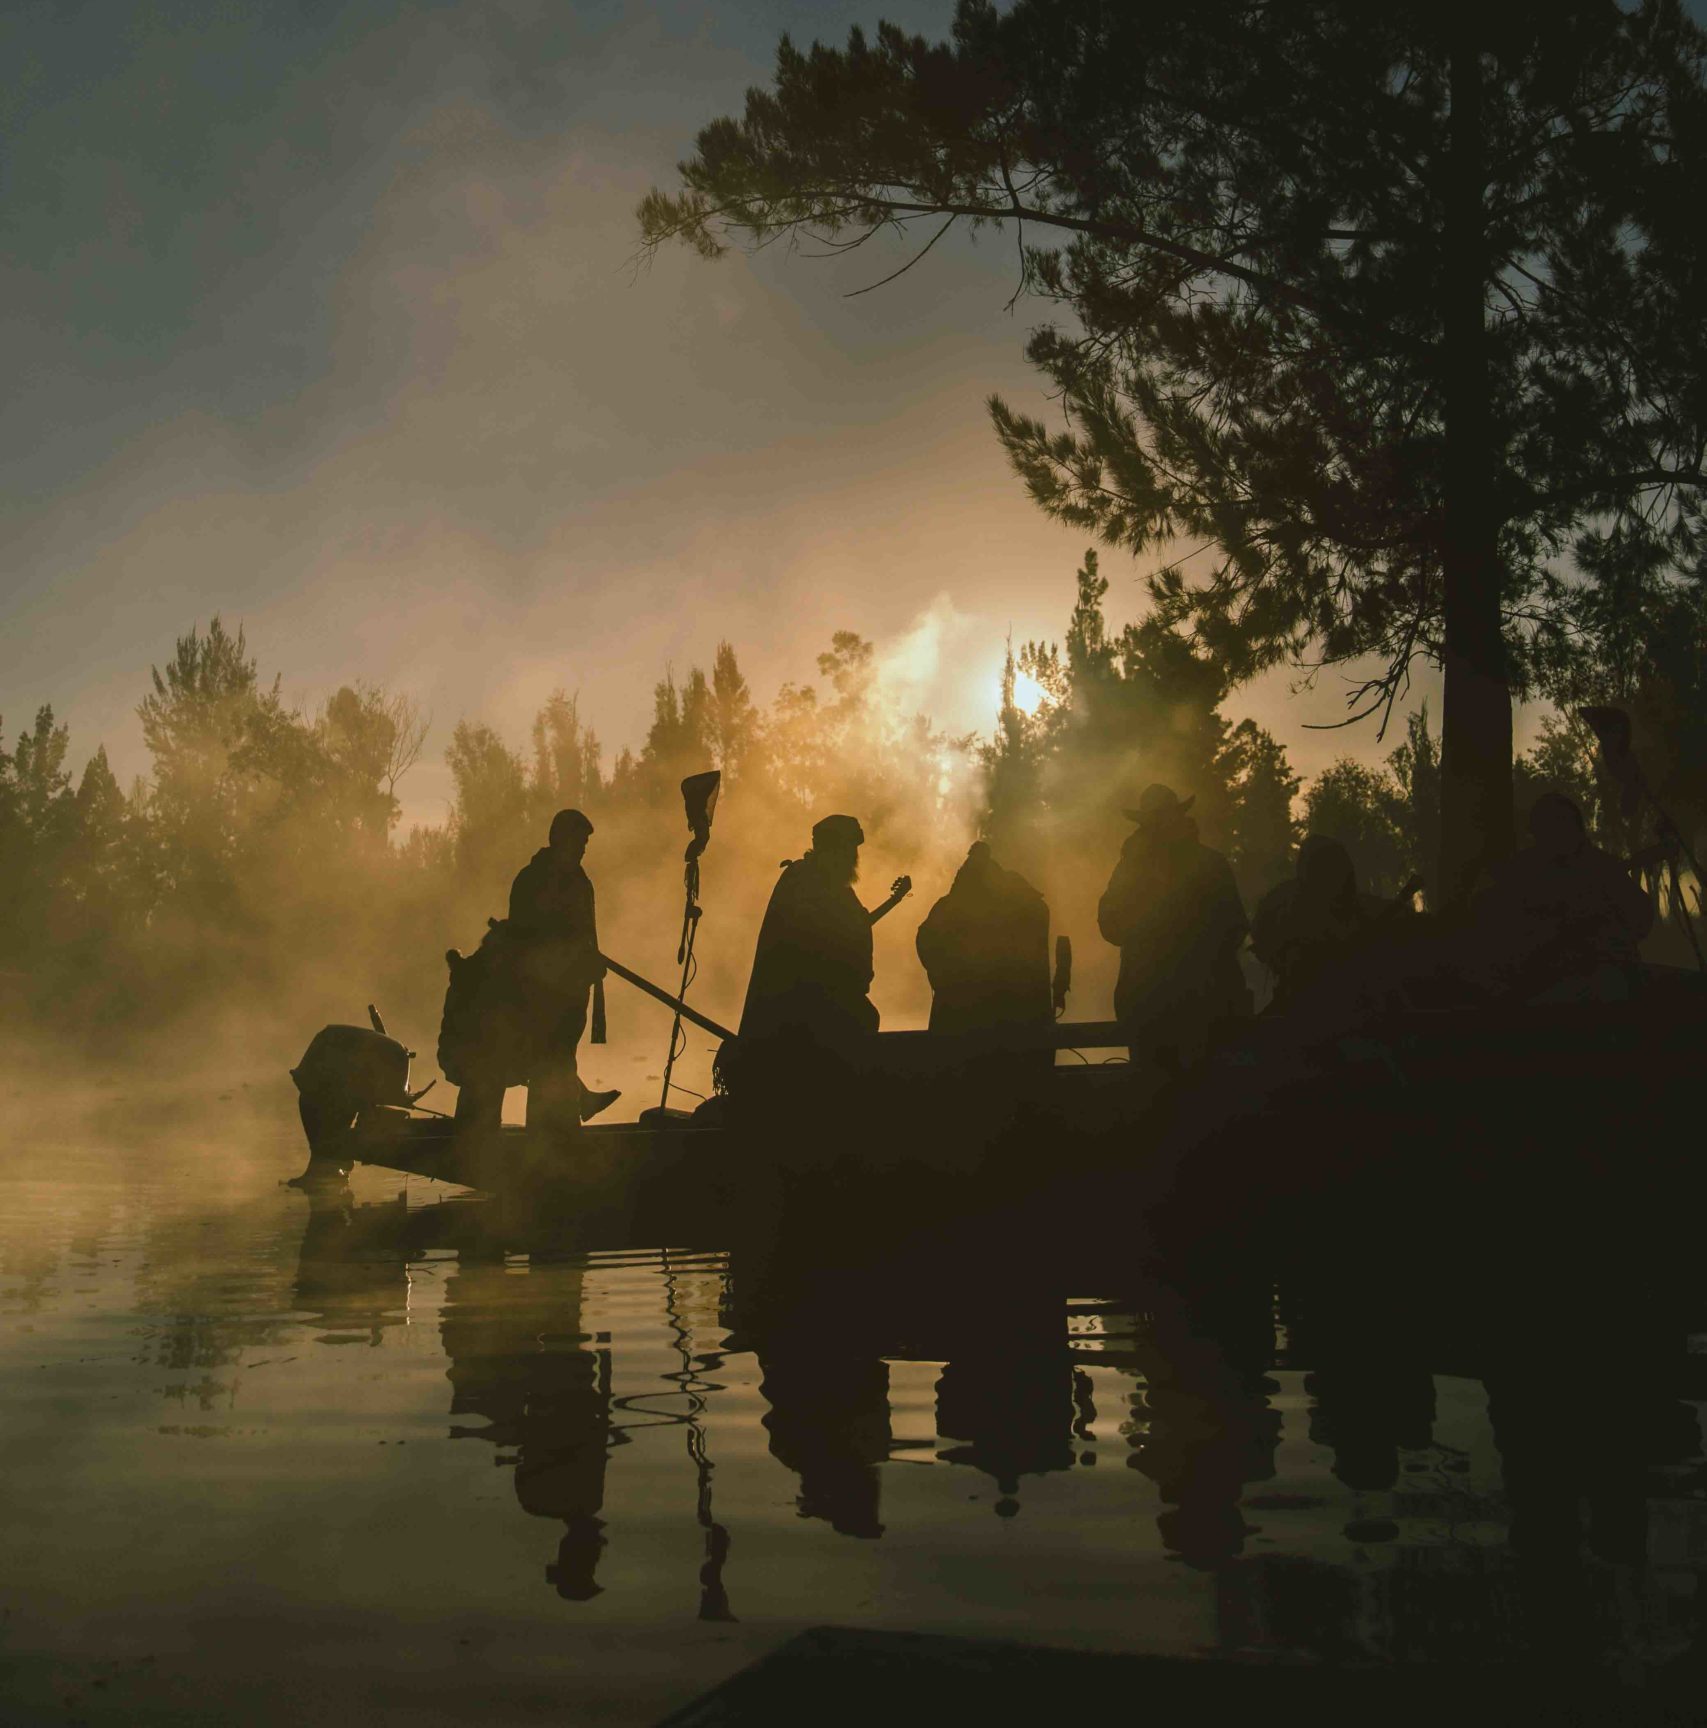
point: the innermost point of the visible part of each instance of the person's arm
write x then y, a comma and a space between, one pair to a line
1114, 918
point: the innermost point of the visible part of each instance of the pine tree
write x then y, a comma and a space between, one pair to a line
1388, 309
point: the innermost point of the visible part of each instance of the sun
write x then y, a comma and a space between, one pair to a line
1028, 693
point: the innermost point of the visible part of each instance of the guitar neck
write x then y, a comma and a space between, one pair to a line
887, 907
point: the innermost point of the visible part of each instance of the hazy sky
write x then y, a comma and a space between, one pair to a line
325, 317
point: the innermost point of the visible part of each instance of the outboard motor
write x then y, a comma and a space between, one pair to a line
344, 1071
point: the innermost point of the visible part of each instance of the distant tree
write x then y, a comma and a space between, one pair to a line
1360, 807
566, 757
1415, 768
1125, 707
1119, 709
737, 736
37, 827
1262, 786
490, 820
680, 740
369, 739
1012, 763
218, 738
1385, 307
101, 874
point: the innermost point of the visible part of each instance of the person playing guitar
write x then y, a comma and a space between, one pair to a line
899, 889
812, 967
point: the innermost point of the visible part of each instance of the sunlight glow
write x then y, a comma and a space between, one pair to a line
1028, 693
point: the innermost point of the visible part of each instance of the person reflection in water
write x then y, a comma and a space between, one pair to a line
516, 1360
829, 1423
1173, 911
1007, 1397
985, 948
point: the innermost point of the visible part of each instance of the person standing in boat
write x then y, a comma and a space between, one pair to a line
812, 966
553, 941
1562, 920
1174, 912
1303, 930
985, 948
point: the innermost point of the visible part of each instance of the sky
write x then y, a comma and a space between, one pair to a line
329, 319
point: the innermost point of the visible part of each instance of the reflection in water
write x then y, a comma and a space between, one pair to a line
827, 1385
513, 1334
352, 1274
1007, 1396
693, 1433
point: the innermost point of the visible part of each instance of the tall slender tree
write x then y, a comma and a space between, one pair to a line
1385, 309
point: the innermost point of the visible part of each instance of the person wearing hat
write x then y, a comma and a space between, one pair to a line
1174, 912
553, 938
812, 966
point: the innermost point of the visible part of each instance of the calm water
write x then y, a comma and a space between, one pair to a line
395, 1456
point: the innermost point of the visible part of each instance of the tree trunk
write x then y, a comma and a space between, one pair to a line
1476, 759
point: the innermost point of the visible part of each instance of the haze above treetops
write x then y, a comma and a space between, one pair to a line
331, 328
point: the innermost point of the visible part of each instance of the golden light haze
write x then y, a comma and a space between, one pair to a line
520, 463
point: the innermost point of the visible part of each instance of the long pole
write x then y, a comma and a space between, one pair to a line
684, 953
658, 994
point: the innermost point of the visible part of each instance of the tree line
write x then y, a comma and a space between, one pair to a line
1380, 331
261, 857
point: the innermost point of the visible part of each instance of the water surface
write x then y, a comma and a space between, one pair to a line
395, 1453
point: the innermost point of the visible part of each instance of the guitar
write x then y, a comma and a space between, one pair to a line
899, 889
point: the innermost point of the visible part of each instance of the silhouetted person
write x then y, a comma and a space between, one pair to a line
1306, 928
985, 948
1173, 911
812, 966
517, 1008
1562, 920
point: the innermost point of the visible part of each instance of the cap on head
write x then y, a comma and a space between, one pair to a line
978, 852
1156, 802
835, 831
568, 825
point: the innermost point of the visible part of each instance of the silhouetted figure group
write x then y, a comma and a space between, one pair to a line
1560, 921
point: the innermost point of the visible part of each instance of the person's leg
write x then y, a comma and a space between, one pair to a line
479, 1106
554, 1087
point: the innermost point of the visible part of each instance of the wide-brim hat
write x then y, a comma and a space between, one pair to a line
1159, 800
